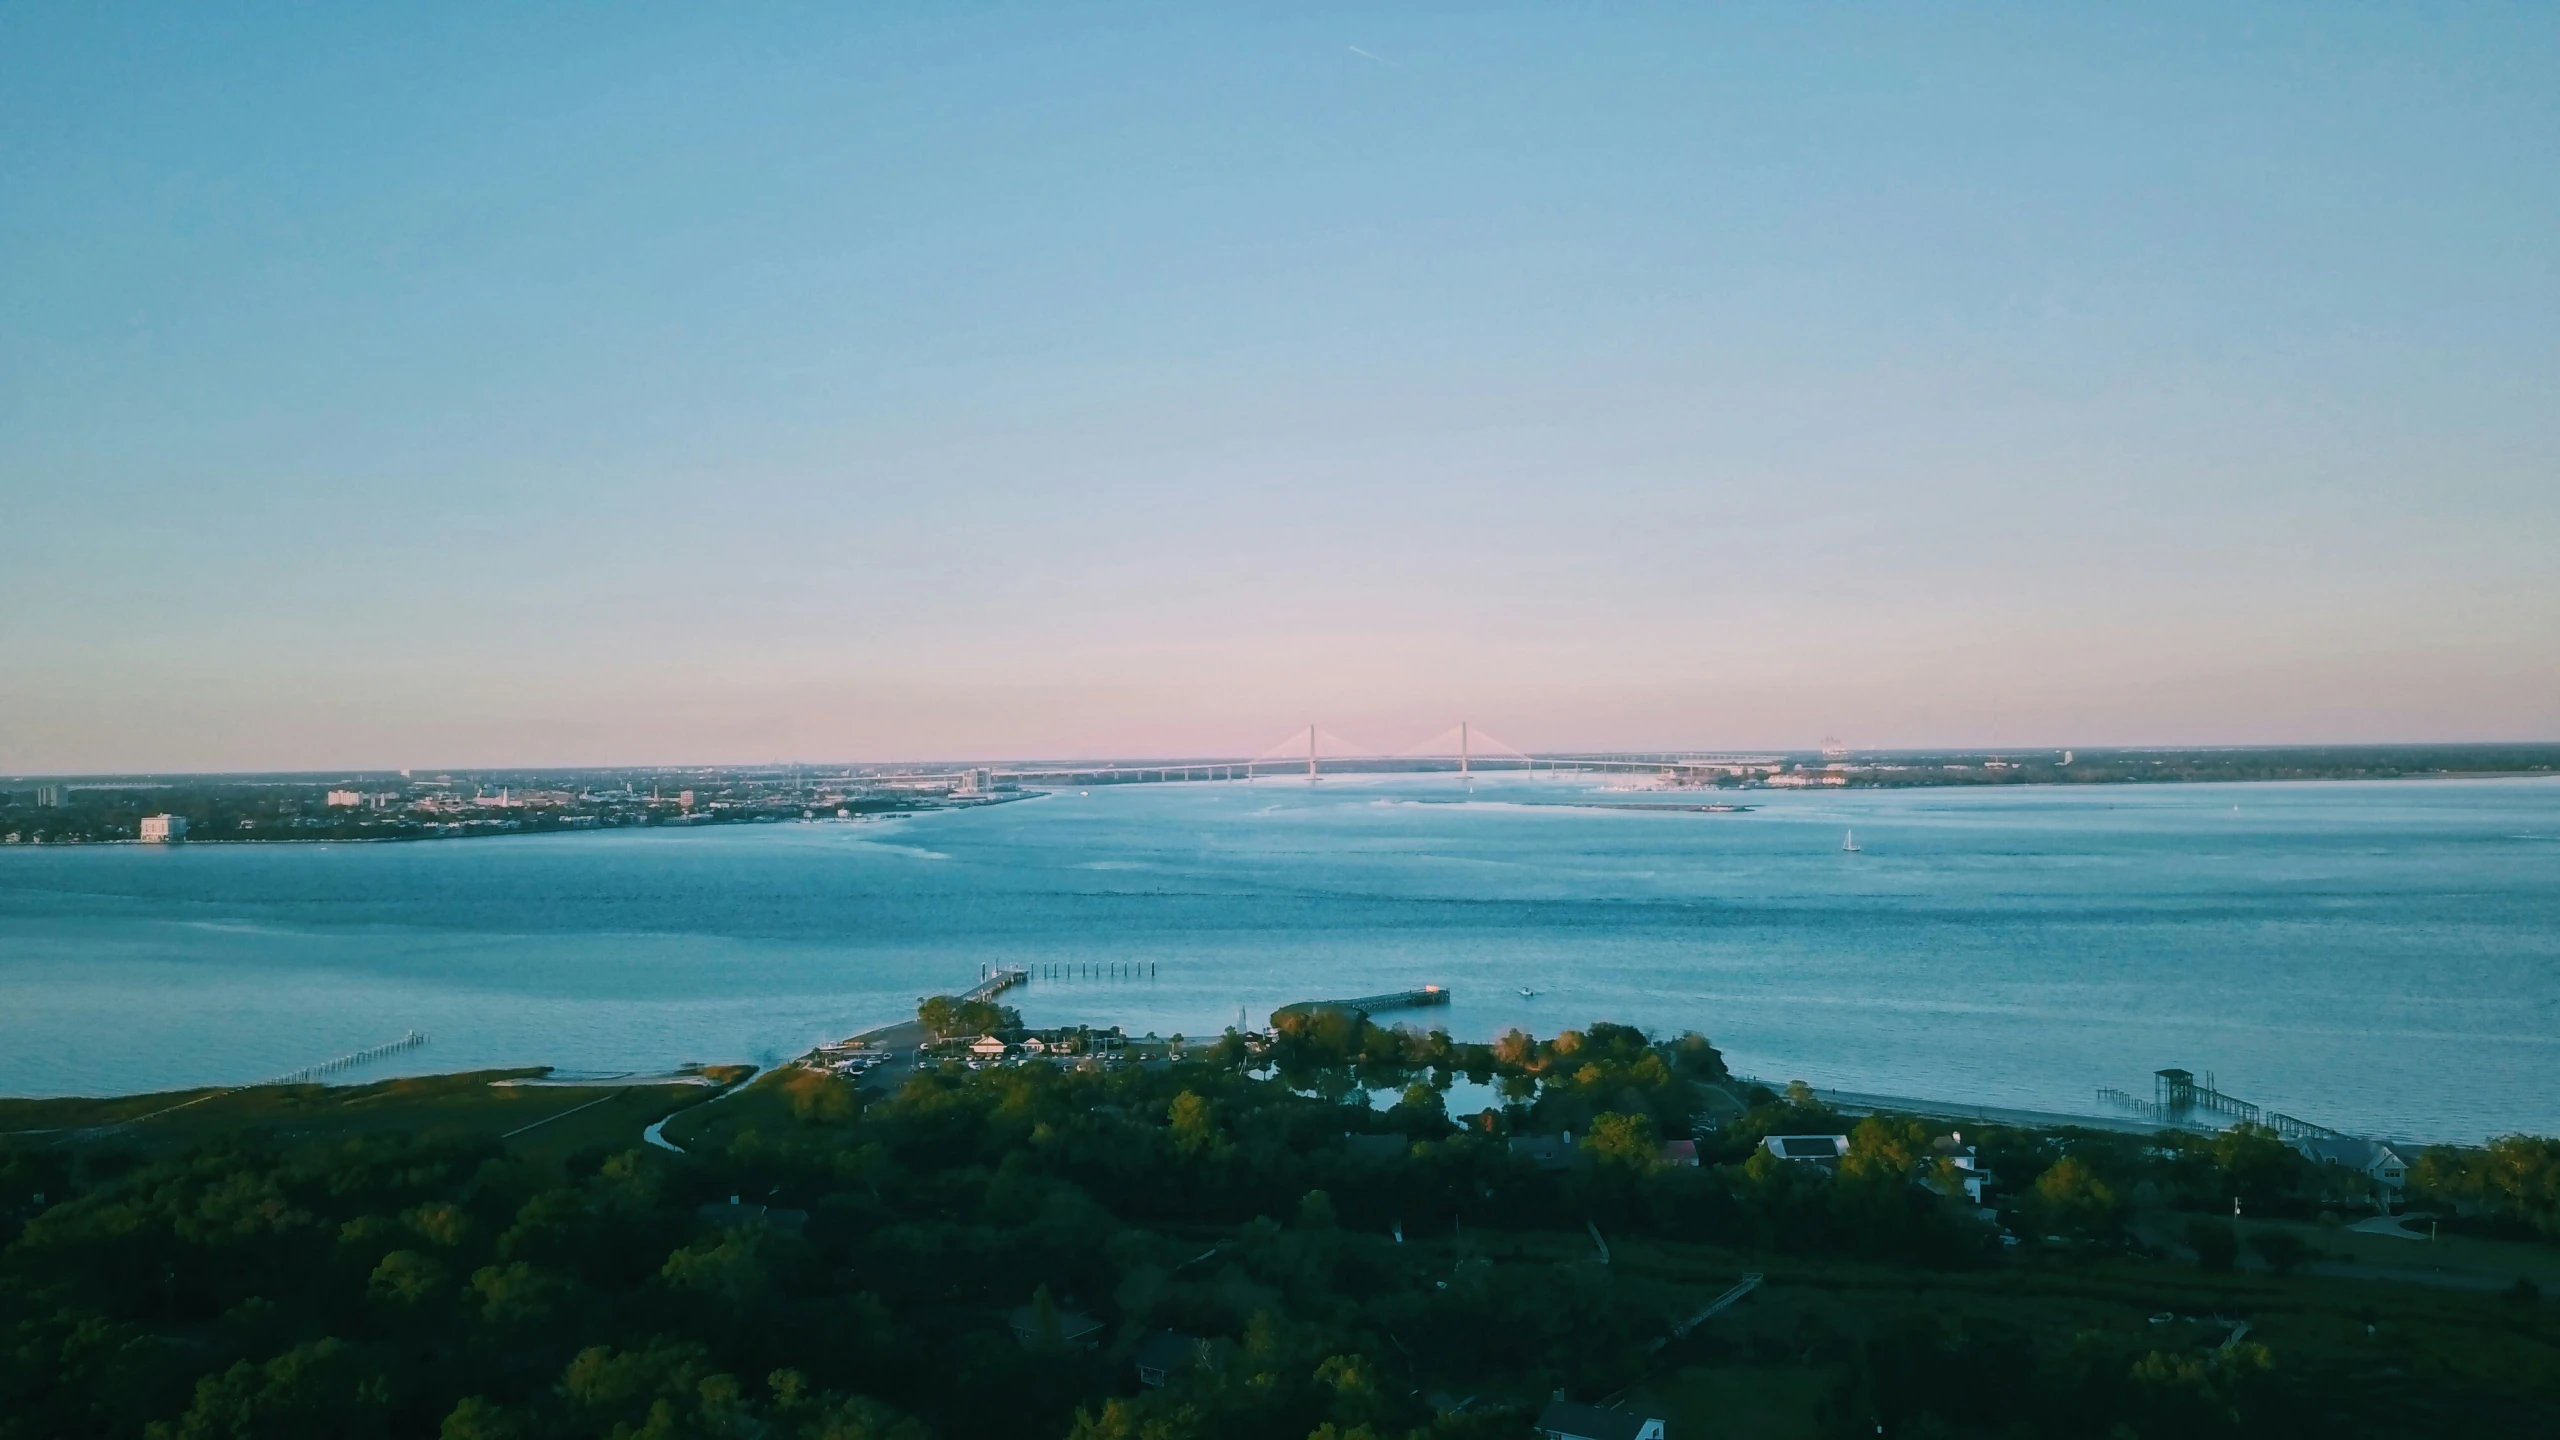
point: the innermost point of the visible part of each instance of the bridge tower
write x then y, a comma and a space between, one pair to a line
1462, 747
1311, 750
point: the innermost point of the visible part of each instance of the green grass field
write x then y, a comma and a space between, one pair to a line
537, 1121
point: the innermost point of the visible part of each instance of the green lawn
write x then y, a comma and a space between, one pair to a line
541, 1121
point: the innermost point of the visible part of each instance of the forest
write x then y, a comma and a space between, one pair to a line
988, 1252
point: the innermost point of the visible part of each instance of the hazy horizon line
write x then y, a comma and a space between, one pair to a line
1084, 761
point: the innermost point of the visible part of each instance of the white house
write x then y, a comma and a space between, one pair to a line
987, 1047
1965, 1158
1564, 1420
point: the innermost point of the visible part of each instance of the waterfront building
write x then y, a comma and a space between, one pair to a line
2372, 1159
164, 829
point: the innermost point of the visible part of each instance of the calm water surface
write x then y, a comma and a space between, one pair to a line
2383, 958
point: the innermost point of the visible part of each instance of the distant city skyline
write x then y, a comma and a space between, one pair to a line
483, 388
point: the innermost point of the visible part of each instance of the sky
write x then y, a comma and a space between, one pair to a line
477, 385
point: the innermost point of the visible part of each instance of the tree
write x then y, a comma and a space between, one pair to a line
476, 1418
1693, 1056
406, 1277
2069, 1199
1623, 1141
2259, 1166
1195, 1125
1423, 1111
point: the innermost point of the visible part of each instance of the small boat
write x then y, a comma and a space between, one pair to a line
1528, 994
1849, 842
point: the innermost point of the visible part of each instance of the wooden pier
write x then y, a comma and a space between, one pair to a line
309, 1073
997, 983
2180, 1102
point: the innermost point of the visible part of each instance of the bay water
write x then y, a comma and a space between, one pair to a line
2383, 958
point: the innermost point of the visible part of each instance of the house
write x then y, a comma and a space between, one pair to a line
1164, 1354
1823, 1150
2370, 1158
1075, 1329
1564, 1420
986, 1047
1967, 1160
1681, 1152
1547, 1152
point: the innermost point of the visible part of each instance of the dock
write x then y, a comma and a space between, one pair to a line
997, 983
1365, 1005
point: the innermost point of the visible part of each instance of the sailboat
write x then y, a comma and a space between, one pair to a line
1849, 842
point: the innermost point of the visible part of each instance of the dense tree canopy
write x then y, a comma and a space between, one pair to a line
833, 1265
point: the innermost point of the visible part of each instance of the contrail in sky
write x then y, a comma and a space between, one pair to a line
1381, 59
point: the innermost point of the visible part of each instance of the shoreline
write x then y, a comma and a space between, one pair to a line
1734, 806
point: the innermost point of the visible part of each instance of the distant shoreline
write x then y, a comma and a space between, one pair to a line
209, 819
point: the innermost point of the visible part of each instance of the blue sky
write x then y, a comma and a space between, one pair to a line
456, 385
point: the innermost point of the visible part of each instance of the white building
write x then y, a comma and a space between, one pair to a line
164, 829
1967, 1160
345, 798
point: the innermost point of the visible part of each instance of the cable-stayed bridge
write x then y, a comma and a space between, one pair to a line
1315, 752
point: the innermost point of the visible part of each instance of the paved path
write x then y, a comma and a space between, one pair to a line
2388, 1225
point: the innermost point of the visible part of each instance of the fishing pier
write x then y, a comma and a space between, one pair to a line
996, 982
2178, 1101
1366, 1005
